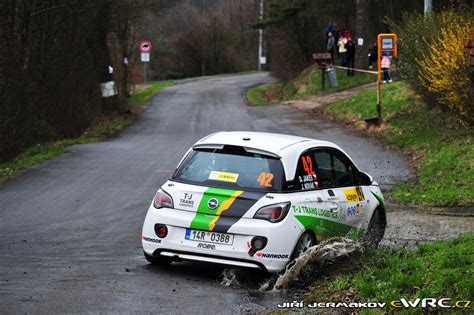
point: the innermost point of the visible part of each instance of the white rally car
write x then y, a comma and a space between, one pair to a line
260, 200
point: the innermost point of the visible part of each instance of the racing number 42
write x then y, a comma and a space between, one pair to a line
265, 179
307, 164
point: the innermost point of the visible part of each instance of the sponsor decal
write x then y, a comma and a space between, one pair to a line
224, 176
354, 210
351, 210
354, 195
187, 200
314, 211
309, 186
273, 256
308, 178
206, 246
213, 203
151, 240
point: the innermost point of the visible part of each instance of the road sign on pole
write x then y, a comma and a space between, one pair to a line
387, 47
145, 57
145, 49
145, 46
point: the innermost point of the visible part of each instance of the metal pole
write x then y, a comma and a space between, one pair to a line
379, 102
260, 39
379, 80
428, 7
144, 65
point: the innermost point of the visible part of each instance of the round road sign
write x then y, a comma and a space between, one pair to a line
145, 46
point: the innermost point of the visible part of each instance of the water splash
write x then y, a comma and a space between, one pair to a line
324, 252
229, 278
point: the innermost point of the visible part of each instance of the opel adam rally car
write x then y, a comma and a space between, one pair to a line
260, 200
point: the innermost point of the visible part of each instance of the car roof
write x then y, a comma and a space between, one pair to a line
286, 147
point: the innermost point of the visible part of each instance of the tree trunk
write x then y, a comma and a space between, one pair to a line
361, 31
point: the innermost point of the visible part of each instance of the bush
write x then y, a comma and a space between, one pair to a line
445, 67
433, 58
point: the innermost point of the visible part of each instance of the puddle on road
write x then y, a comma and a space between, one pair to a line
300, 271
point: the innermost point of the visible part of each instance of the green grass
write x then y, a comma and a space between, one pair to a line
143, 96
442, 148
263, 94
441, 269
105, 126
306, 84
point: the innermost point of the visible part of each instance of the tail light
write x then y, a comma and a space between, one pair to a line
273, 213
162, 199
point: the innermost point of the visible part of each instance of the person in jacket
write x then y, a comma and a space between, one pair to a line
350, 56
346, 33
373, 55
331, 44
329, 29
341, 48
385, 65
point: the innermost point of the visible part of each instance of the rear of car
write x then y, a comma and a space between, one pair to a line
223, 205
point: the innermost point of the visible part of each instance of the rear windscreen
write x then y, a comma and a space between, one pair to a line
233, 168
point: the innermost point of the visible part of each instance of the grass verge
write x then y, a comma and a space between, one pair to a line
307, 83
442, 149
443, 269
103, 127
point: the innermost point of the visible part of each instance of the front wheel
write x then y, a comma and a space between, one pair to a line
160, 260
305, 241
375, 231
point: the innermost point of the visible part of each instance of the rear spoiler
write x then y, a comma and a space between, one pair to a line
247, 149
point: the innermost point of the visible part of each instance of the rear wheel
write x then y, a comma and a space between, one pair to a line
375, 231
160, 260
305, 241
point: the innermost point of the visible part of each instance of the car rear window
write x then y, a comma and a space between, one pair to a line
231, 167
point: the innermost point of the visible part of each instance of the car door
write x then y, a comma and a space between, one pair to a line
308, 199
337, 177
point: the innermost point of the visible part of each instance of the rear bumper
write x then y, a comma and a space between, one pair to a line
281, 237
209, 258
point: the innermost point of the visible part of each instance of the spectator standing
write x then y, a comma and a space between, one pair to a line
337, 32
385, 65
350, 56
373, 55
341, 44
329, 29
346, 33
331, 45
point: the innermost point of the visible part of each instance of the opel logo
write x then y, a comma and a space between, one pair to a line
213, 203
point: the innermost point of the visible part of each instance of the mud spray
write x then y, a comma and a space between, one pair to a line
229, 278
316, 256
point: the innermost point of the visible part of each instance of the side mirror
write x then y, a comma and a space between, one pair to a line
366, 179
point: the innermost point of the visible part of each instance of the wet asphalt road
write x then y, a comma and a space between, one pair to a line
70, 228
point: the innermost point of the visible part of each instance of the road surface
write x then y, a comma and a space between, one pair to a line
70, 227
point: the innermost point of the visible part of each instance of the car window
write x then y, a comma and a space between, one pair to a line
334, 169
233, 168
305, 177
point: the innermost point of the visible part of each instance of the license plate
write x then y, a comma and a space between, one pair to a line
209, 237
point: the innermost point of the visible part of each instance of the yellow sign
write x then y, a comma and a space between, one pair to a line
354, 194
224, 176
